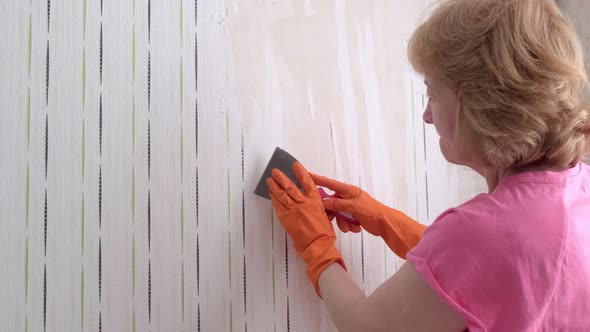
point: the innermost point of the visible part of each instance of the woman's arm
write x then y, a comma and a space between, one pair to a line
405, 302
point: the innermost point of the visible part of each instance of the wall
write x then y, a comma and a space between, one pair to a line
576, 11
133, 133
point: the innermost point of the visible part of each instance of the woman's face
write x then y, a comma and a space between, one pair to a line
442, 111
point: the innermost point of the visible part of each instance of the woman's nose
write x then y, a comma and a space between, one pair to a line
427, 115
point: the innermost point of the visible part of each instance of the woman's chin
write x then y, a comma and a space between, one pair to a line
452, 156
444, 149
448, 152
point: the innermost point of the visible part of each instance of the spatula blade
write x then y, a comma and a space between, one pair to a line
281, 160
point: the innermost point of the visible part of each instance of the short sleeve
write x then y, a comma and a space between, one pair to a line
484, 271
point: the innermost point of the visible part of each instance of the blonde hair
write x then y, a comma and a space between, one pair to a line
518, 70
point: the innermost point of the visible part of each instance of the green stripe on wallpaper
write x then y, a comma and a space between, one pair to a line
133, 199
181, 127
182, 289
84, 14
182, 224
30, 42
181, 85
27, 196
29, 117
180, 24
133, 58
133, 266
82, 299
84, 78
83, 224
133, 123
27, 270
83, 148
181, 154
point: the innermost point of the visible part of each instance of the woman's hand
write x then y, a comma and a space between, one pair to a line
400, 232
303, 216
352, 200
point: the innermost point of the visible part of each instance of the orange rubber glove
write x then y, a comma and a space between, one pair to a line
305, 220
400, 232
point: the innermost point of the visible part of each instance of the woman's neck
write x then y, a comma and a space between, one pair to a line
494, 175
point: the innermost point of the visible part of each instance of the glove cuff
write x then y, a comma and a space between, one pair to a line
318, 256
402, 232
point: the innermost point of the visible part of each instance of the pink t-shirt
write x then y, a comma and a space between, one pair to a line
517, 259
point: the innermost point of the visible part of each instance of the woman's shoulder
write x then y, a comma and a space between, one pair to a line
486, 251
534, 197
516, 221
527, 217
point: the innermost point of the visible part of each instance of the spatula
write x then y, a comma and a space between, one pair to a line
283, 161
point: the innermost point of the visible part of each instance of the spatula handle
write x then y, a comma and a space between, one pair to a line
340, 214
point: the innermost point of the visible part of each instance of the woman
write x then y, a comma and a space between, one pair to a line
503, 79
